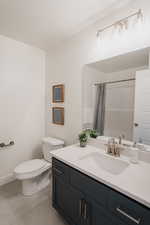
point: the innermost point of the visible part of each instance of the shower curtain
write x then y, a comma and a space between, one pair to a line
99, 114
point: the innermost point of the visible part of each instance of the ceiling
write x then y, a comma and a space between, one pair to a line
46, 23
139, 58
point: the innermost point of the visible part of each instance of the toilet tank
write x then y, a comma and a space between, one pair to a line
50, 144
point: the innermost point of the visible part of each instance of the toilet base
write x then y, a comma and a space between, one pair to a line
36, 184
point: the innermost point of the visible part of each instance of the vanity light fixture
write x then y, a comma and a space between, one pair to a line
123, 23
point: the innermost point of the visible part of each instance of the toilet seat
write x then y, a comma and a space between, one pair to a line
35, 174
31, 168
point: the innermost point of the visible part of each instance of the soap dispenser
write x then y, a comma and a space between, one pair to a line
134, 153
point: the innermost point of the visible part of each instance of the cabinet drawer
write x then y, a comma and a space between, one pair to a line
127, 210
102, 216
60, 169
89, 186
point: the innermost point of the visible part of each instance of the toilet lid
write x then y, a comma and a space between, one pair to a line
30, 166
52, 141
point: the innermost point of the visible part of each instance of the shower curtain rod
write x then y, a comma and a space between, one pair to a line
117, 81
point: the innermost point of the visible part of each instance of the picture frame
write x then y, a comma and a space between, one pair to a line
58, 115
58, 93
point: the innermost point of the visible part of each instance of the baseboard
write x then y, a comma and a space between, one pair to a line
7, 179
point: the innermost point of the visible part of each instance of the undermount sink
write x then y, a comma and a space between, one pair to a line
105, 162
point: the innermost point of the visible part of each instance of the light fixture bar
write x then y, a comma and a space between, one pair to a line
139, 14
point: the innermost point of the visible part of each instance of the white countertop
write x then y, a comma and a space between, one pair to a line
134, 181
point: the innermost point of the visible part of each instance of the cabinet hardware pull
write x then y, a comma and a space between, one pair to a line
85, 211
137, 221
80, 207
58, 171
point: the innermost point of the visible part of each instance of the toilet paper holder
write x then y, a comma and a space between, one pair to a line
2, 144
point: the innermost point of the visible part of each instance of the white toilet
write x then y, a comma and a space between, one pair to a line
35, 174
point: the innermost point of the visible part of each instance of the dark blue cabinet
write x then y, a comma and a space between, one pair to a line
67, 201
99, 216
127, 210
82, 200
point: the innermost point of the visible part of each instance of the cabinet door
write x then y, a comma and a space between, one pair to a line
100, 216
67, 201
127, 210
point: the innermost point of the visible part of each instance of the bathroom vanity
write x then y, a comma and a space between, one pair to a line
84, 195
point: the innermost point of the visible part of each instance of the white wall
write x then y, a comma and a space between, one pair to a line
66, 64
22, 102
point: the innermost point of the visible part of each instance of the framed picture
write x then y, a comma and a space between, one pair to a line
58, 115
58, 93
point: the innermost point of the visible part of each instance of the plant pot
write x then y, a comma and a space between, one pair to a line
83, 144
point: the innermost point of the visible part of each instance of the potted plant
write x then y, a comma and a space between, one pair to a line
83, 137
93, 133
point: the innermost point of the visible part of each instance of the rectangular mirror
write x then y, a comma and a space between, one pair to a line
116, 96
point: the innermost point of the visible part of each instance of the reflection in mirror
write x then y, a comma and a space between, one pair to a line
116, 95
115, 108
